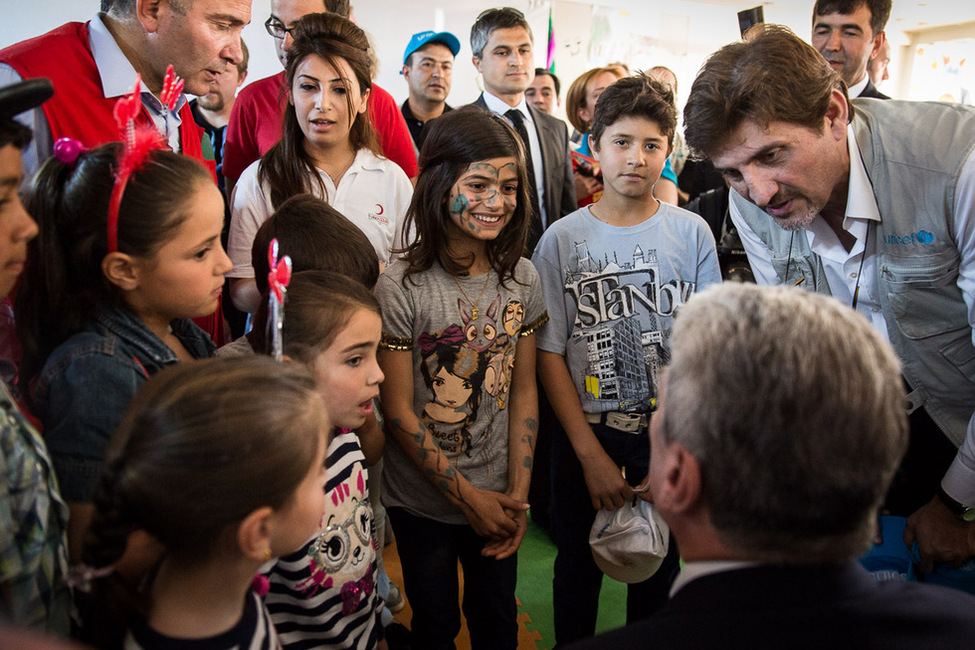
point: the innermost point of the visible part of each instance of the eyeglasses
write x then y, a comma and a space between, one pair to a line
334, 544
277, 29
500, 10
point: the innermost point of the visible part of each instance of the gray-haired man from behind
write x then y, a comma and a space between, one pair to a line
780, 425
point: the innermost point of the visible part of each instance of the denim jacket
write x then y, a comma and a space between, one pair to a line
86, 386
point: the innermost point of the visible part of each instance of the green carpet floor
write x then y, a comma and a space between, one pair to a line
536, 558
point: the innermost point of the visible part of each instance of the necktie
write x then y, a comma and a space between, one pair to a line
518, 121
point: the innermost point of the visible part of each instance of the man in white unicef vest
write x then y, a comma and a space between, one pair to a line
872, 202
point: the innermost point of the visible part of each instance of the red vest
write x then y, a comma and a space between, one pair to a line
79, 108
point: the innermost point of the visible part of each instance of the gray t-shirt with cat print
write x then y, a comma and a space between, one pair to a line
462, 334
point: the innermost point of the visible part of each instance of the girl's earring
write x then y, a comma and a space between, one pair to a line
267, 554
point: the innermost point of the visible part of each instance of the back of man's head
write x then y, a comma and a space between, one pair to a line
793, 407
771, 76
492, 19
879, 11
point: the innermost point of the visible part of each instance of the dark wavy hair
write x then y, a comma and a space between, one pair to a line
454, 141
637, 96
772, 76
286, 167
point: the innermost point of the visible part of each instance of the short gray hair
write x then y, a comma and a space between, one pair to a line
126, 7
795, 409
492, 19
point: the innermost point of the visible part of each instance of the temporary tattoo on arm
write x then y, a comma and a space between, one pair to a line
434, 463
531, 425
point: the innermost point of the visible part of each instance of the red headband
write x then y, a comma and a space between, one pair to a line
138, 142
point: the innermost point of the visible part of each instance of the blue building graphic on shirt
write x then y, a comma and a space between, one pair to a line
618, 310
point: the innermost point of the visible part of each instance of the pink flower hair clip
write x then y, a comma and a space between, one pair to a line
277, 282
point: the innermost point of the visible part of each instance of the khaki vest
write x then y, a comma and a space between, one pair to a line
913, 153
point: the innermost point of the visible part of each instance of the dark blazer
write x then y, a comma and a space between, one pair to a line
560, 191
871, 91
802, 607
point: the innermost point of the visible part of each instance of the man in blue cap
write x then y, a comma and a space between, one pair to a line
428, 65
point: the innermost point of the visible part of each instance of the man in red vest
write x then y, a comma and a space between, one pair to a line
93, 64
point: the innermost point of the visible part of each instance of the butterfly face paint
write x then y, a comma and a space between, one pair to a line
483, 199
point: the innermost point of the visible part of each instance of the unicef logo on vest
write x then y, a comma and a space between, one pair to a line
919, 237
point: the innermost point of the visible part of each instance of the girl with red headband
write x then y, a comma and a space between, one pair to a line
129, 251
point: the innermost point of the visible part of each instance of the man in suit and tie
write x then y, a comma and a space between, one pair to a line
848, 33
501, 41
780, 425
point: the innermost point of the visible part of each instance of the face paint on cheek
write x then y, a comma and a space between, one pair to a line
459, 204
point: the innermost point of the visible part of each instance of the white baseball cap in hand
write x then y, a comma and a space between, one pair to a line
629, 543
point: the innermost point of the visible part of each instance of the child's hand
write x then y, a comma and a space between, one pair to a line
501, 549
607, 488
486, 513
642, 491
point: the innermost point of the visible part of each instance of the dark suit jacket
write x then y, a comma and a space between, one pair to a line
871, 91
818, 608
560, 192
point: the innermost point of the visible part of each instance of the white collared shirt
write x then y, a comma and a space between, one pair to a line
498, 107
117, 76
855, 90
841, 266
694, 570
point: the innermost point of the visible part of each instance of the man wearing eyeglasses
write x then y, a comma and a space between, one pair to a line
502, 42
93, 64
255, 124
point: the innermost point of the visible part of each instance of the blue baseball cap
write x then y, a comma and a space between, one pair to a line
422, 38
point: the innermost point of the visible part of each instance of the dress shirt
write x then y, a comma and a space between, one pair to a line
500, 108
855, 90
693, 570
841, 269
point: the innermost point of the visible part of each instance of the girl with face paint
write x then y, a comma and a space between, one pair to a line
459, 463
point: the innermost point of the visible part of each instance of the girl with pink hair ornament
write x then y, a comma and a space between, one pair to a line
129, 250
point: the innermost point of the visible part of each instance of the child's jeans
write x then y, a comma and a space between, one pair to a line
429, 551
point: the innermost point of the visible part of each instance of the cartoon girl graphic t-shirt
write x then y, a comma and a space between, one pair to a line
463, 355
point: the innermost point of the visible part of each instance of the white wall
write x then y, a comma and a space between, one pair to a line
390, 23
676, 33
